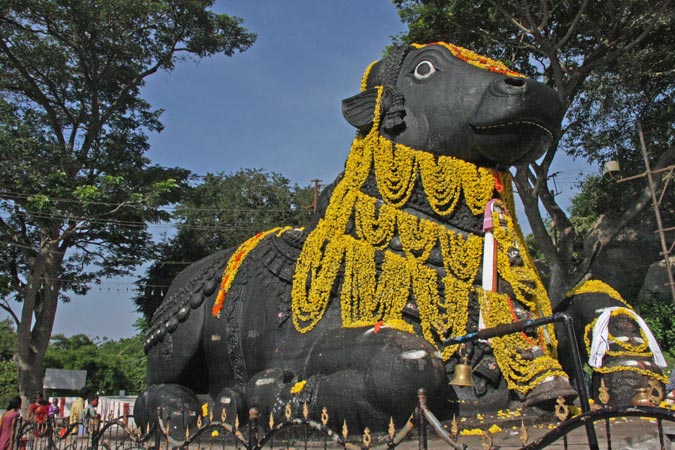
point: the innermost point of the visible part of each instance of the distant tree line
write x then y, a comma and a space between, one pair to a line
112, 365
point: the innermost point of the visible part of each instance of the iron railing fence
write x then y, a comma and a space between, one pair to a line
594, 429
614, 428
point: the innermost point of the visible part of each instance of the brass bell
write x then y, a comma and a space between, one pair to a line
641, 398
462, 371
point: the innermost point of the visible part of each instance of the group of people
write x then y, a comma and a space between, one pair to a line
41, 409
81, 412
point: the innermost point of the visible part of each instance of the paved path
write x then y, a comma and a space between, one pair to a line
631, 432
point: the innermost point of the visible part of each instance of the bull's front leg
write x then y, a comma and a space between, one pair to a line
363, 376
615, 342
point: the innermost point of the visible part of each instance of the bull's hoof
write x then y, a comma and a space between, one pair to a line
621, 383
169, 406
229, 405
546, 393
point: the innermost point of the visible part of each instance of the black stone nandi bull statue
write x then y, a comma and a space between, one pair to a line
414, 241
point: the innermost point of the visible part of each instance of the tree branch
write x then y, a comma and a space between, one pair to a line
5, 305
605, 228
38, 96
571, 30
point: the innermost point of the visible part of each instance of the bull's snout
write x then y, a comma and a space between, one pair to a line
510, 86
513, 99
516, 120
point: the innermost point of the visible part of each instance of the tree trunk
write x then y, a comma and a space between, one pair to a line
40, 299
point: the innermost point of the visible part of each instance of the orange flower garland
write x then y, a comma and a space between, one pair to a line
235, 262
473, 58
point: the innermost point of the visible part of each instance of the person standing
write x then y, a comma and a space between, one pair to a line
54, 408
76, 410
39, 409
90, 415
8, 424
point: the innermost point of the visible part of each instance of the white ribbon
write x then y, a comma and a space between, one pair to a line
600, 343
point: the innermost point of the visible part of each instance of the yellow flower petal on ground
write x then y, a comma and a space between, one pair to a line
494, 428
298, 387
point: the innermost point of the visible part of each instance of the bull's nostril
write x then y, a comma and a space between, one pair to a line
515, 82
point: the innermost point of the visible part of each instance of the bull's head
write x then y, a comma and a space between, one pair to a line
478, 110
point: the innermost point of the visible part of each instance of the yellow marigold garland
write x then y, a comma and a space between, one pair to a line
364, 78
235, 262
644, 372
520, 374
524, 280
445, 179
597, 287
367, 297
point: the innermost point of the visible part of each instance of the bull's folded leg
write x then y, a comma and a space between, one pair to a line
365, 377
230, 404
344, 392
546, 393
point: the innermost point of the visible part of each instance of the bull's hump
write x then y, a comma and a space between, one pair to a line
188, 292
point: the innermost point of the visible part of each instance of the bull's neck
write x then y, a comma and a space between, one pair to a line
461, 219
441, 189
386, 233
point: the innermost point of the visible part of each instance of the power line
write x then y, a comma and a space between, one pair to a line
26, 196
133, 224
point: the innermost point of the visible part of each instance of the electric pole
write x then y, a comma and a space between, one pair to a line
315, 203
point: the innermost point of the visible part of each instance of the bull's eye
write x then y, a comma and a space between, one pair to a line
424, 70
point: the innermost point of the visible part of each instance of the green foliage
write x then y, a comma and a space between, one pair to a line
7, 339
659, 313
76, 190
9, 381
221, 212
111, 365
599, 195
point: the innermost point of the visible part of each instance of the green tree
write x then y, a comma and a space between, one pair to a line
611, 64
7, 339
111, 365
76, 190
222, 211
9, 382
126, 369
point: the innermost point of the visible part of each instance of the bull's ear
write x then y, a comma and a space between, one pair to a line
359, 110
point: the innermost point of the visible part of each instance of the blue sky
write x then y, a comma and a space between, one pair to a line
276, 106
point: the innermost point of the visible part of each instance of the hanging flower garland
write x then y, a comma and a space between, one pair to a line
368, 295
519, 373
524, 279
364, 78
